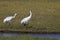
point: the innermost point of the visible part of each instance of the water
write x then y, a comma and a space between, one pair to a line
33, 35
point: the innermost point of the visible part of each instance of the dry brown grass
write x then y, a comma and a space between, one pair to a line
45, 14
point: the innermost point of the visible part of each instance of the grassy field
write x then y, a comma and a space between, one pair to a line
46, 14
25, 38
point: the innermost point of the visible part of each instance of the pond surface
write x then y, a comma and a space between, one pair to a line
33, 35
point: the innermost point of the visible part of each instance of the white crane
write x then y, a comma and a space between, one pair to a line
26, 20
9, 18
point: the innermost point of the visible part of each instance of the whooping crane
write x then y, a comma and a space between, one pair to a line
9, 18
26, 20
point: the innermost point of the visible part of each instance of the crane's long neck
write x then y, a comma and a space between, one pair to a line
14, 15
30, 14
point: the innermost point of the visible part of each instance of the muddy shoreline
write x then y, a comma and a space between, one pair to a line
28, 31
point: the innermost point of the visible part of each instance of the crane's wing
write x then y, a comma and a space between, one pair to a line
7, 19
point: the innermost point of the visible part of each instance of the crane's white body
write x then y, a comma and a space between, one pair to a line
25, 20
9, 18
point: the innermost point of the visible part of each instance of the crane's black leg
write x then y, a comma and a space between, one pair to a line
25, 25
8, 25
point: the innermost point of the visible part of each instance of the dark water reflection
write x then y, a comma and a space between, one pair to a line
33, 35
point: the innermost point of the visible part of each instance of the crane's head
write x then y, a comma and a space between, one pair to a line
15, 14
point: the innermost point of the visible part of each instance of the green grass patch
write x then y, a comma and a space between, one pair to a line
25, 38
45, 14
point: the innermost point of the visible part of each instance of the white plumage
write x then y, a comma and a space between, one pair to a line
9, 18
25, 20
